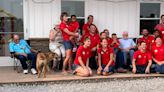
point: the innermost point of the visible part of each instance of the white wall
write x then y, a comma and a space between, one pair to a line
41, 17
115, 15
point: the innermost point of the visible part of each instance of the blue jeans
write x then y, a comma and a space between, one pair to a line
131, 52
119, 60
111, 68
141, 68
23, 59
115, 50
159, 68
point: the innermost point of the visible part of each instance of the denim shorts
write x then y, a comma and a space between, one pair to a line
68, 45
111, 68
159, 68
141, 69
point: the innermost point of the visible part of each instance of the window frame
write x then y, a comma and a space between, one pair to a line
139, 12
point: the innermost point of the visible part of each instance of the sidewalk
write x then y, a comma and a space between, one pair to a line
8, 75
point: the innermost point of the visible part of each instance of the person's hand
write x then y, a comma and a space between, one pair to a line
94, 48
127, 49
134, 70
99, 68
57, 30
147, 70
77, 34
106, 69
24, 54
71, 37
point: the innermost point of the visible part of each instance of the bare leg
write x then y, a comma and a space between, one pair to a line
66, 60
82, 72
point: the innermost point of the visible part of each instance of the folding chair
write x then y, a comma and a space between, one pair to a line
17, 64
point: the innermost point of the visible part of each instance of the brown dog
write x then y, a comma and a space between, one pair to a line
42, 62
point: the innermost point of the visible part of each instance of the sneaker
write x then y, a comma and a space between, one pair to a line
33, 71
25, 71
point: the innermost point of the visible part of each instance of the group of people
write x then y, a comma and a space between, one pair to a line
99, 51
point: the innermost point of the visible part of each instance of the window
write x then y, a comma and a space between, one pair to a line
149, 16
11, 22
74, 7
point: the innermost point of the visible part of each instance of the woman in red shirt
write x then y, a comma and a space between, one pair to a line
105, 59
66, 33
158, 55
81, 63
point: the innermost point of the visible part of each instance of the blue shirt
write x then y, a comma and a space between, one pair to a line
126, 43
21, 47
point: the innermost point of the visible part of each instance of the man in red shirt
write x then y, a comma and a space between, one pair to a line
158, 55
146, 38
160, 27
142, 59
86, 26
95, 40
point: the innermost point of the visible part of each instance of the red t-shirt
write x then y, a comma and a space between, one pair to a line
110, 40
95, 39
115, 45
105, 55
159, 27
62, 27
149, 41
84, 53
142, 58
73, 26
158, 52
86, 28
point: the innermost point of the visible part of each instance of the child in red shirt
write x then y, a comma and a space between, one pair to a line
115, 43
73, 27
81, 63
142, 59
105, 59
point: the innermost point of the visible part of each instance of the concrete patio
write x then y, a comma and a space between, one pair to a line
8, 76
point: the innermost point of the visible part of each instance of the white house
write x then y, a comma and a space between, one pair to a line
39, 16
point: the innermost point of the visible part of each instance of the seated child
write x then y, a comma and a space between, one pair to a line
115, 43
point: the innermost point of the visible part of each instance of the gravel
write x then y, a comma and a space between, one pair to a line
138, 85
